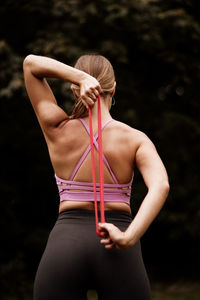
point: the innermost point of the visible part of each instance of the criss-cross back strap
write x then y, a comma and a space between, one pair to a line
88, 150
80, 162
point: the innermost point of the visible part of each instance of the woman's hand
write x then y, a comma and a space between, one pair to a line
89, 90
114, 237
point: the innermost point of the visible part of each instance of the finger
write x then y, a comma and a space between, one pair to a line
87, 100
105, 226
90, 101
102, 228
98, 88
96, 92
93, 96
110, 246
106, 241
104, 234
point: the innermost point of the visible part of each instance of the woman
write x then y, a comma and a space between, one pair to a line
75, 258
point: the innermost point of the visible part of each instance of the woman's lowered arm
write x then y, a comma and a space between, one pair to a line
156, 180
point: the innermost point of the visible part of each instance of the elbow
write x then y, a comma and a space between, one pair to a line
161, 187
166, 187
28, 61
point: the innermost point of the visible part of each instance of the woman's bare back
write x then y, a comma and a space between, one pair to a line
69, 142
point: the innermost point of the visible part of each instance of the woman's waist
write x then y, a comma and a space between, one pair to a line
78, 216
89, 205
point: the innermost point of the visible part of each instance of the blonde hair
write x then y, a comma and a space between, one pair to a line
99, 67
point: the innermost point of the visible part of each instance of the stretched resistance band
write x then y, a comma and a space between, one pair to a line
102, 215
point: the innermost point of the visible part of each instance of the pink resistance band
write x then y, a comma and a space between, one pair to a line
100, 167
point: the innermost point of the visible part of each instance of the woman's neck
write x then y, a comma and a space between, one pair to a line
105, 110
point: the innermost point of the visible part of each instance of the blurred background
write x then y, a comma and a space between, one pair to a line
154, 47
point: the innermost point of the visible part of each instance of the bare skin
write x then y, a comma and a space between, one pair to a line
123, 146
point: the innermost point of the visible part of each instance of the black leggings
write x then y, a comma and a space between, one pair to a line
75, 261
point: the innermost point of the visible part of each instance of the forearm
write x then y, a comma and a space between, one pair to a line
45, 67
147, 212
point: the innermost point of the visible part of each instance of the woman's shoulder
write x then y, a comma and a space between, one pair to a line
126, 136
127, 130
67, 131
69, 125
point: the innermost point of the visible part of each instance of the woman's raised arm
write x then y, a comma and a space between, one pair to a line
36, 69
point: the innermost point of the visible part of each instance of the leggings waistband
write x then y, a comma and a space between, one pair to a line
88, 216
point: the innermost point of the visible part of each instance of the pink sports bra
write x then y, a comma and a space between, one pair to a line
83, 191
